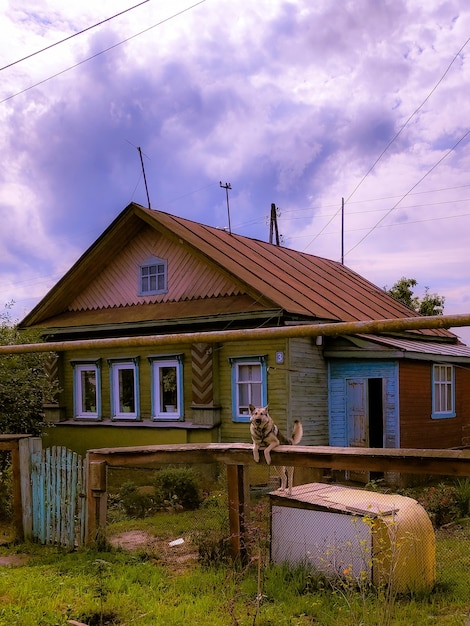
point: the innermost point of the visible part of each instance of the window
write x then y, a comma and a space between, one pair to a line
87, 389
124, 388
249, 385
153, 277
167, 392
443, 391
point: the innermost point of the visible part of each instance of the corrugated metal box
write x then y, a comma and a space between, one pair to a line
338, 530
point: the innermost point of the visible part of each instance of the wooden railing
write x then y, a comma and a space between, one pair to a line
237, 457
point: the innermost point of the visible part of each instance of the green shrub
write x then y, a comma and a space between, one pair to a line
5, 493
136, 501
177, 487
440, 502
463, 496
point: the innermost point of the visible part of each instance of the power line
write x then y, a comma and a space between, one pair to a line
393, 139
413, 187
119, 43
52, 45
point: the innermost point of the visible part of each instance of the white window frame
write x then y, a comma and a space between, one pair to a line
79, 409
160, 276
160, 410
443, 391
118, 410
256, 390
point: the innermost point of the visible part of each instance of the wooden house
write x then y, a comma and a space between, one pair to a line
152, 273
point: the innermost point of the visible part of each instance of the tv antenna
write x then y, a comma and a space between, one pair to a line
227, 186
145, 178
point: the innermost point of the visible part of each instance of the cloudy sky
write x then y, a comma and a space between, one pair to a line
298, 103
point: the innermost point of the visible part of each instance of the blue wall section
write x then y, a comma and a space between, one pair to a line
338, 373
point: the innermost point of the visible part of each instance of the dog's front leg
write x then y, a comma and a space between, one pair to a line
267, 452
255, 452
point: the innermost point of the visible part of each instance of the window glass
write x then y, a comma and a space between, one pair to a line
167, 388
153, 278
86, 390
249, 386
124, 389
443, 391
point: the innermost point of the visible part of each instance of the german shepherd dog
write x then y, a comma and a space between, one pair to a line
266, 436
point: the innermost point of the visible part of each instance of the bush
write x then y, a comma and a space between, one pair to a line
177, 487
5, 493
441, 503
136, 501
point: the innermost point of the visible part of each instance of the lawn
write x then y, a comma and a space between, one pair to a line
141, 578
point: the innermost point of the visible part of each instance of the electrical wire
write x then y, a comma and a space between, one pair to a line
94, 56
52, 45
411, 189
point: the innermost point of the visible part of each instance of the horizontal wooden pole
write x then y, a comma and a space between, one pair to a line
406, 460
304, 330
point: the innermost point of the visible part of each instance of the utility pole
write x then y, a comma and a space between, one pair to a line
273, 224
145, 178
227, 186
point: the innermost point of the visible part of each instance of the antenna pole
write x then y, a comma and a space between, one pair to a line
227, 186
342, 231
145, 178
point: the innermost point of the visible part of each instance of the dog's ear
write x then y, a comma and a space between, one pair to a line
251, 408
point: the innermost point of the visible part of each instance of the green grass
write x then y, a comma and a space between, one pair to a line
146, 587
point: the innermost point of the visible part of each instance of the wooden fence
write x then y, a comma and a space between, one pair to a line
237, 457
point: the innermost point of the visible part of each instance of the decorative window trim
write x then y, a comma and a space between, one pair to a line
115, 366
443, 391
240, 414
78, 367
157, 363
147, 277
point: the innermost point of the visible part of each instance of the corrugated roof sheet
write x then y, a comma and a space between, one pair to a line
300, 284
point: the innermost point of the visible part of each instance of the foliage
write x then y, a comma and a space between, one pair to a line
24, 385
429, 304
176, 488
5, 491
137, 502
441, 503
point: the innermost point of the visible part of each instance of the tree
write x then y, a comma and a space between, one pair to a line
24, 384
429, 304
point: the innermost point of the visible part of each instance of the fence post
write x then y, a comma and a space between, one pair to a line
96, 500
238, 500
26, 447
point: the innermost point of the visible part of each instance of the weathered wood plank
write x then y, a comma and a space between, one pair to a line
415, 461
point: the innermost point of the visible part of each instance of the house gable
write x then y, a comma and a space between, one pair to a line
188, 277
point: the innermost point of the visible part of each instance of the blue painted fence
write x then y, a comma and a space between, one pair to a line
58, 496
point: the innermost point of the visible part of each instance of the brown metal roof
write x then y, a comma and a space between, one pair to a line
298, 283
398, 347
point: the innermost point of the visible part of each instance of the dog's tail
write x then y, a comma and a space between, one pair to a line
297, 432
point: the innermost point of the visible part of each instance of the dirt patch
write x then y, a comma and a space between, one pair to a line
177, 554
13, 560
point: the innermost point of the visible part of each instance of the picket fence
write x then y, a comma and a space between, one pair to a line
58, 496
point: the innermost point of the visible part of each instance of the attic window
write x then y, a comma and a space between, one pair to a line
152, 277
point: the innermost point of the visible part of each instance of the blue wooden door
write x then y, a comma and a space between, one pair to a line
58, 497
356, 411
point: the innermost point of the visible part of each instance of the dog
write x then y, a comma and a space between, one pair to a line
266, 436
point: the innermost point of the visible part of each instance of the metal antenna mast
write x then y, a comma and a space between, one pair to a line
227, 186
145, 178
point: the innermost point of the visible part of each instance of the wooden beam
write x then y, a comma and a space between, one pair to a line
415, 461
304, 330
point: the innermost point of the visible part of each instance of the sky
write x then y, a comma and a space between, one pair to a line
302, 104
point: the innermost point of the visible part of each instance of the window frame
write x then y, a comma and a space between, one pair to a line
235, 363
79, 367
446, 391
147, 264
157, 363
115, 367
